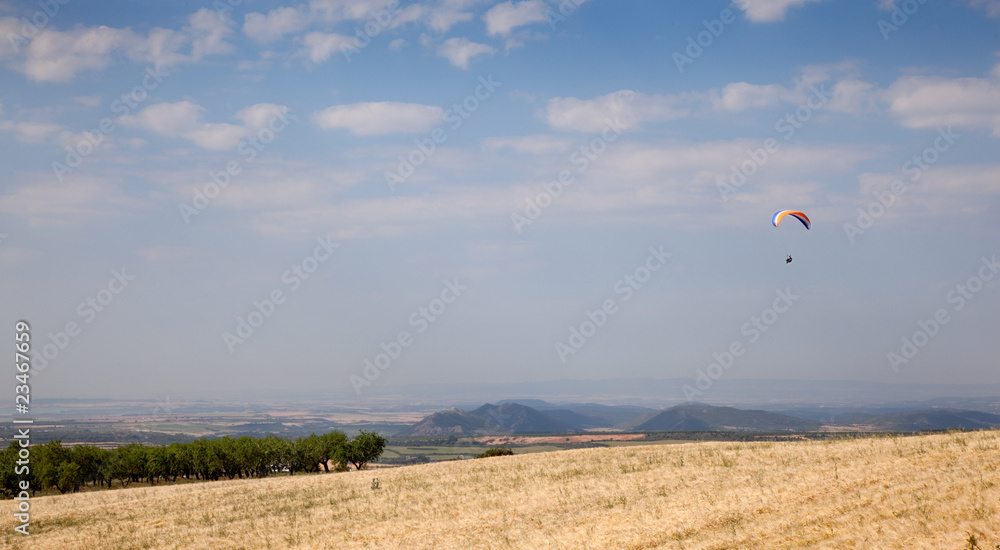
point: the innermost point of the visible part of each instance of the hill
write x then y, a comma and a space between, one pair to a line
590, 415
708, 418
452, 422
507, 418
934, 419
514, 417
930, 491
519, 419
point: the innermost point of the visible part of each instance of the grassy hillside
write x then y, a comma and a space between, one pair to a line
929, 491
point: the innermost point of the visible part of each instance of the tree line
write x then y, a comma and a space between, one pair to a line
69, 468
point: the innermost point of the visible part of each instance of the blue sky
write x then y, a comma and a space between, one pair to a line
386, 162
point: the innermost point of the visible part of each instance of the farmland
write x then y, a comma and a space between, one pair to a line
924, 491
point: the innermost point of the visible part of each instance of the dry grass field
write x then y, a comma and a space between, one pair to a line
880, 493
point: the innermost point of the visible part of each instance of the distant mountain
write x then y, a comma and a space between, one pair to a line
508, 418
519, 419
453, 422
579, 421
589, 415
934, 419
617, 416
658, 392
706, 417
516, 418
533, 403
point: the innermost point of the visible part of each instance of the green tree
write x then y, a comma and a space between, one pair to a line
68, 477
131, 463
333, 444
306, 454
45, 462
364, 448
276, 451
178, 460
9, 478
157, 464
89, 458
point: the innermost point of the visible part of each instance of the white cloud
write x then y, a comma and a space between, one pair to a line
768, 11
276, 24
539, 144
844, 92
208, 32
459, 51
339, 10
10, 30
256, 117
962, 180
319, 46
992, 7
54, 56
59, 56
80, 199
853, 96
504, 17
928, 102
439, 18
944, 190
31, 132
365, 119
186, 120
740, 96
627, 107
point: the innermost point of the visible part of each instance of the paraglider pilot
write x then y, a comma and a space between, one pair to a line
788, 260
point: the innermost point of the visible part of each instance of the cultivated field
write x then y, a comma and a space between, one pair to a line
881, 493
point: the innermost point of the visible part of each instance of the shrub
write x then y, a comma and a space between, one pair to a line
496, 451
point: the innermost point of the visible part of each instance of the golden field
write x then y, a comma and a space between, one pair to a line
931, 491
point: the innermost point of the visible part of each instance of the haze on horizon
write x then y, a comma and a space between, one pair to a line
272, 195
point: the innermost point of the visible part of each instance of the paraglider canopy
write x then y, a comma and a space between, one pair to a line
778, 216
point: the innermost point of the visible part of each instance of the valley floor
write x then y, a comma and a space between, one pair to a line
933, 491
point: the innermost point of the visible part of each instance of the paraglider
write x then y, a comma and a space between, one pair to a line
778, 216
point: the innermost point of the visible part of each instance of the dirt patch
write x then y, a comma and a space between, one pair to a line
543, 440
